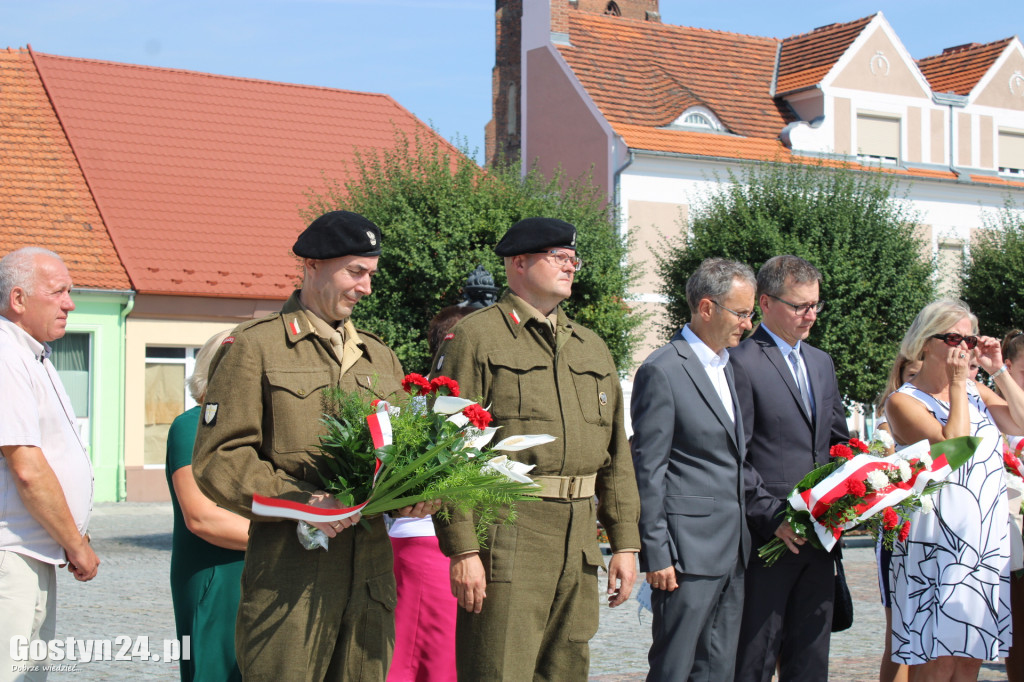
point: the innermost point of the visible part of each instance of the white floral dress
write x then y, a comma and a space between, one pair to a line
951, 578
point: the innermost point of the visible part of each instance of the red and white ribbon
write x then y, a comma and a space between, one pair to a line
817, 500
287, 509
380, 426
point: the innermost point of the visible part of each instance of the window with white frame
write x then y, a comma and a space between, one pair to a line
697, 118
167, 396
878, 138
72, 358
1011, 152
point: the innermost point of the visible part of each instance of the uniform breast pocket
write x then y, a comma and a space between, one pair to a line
383, 386
295, 406
522, 388
594, 386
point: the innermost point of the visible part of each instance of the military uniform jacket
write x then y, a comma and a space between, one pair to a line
259, 429
508, 360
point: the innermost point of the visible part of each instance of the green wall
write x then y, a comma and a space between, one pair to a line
100, 314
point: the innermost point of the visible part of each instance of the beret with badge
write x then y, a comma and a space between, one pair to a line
336, 234
536, 235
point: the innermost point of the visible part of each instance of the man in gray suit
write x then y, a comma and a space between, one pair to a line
688, 451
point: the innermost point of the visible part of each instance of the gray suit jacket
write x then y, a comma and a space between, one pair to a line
688, 457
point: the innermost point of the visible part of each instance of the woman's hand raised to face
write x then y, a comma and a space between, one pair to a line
989, 353
958, 364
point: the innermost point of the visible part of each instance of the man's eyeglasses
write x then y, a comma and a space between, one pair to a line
742, 316
561, 259
954, 339
801, 309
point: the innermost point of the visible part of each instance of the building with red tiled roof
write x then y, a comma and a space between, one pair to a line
182, 190
660, 114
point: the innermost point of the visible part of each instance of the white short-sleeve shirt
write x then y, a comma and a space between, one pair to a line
37, 412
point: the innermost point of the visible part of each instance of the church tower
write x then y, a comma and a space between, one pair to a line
503, 131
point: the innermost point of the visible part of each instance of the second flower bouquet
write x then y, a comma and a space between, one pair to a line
383, 457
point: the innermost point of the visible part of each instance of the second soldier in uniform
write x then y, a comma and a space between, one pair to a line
528, 600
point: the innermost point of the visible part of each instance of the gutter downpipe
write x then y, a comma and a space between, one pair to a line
122, 483
951, 100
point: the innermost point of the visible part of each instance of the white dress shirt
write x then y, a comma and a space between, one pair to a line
714, 364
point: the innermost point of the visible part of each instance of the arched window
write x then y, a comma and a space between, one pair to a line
697, 119
612, 9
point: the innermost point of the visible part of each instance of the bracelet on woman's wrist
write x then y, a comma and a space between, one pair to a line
999, 371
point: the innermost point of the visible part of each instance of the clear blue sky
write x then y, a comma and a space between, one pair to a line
434, 57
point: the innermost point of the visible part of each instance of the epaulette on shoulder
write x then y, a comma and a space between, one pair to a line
364, 334
249, 324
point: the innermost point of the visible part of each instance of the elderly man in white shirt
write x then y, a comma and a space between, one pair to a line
46, 482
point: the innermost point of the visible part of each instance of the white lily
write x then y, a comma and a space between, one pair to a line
481, 438
458, 419
516, 443
510, 469
446, 404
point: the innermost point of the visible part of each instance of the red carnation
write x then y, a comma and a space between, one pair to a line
859, 445
856, 488
445, 386
840, 451
375, 402
890, 519
905, 531
416, 384
477, 416
1010, 459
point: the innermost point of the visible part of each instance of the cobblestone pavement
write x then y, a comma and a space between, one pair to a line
130, 598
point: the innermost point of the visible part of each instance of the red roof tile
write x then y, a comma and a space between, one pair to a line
44, 199
201, 178
806, 58
647, 73
958, 69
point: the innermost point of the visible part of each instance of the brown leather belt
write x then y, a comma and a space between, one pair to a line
565, 487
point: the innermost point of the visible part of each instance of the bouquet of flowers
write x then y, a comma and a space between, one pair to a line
861, 484
384, 457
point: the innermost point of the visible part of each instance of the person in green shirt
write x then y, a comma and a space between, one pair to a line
207, 550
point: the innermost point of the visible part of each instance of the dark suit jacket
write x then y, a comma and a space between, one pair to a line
688, 456
782, 442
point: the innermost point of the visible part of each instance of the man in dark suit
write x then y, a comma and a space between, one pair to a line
688, 450
792, 414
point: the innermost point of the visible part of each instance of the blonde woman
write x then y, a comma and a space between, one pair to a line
951, 589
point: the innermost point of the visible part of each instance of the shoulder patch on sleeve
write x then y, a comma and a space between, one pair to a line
228, 340
449, 336
210, 413
440, 362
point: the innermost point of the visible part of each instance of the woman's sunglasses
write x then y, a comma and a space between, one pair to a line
954, 339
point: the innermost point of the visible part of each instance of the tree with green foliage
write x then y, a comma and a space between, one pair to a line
441, 216
993, 274
850, 225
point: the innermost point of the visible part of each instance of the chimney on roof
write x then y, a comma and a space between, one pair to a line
502, 133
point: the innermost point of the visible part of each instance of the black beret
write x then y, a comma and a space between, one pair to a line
534, 235
337, 234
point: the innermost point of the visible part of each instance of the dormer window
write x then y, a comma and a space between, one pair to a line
612, 10
696, 118
878, 138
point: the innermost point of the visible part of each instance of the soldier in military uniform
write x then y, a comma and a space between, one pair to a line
529, 602
304, 614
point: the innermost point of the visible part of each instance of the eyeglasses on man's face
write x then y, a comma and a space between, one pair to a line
561, 259
802, 309
953, 339
742, 316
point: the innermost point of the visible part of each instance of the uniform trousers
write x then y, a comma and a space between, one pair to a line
316, 615
787, 617
28, 607
542, 602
